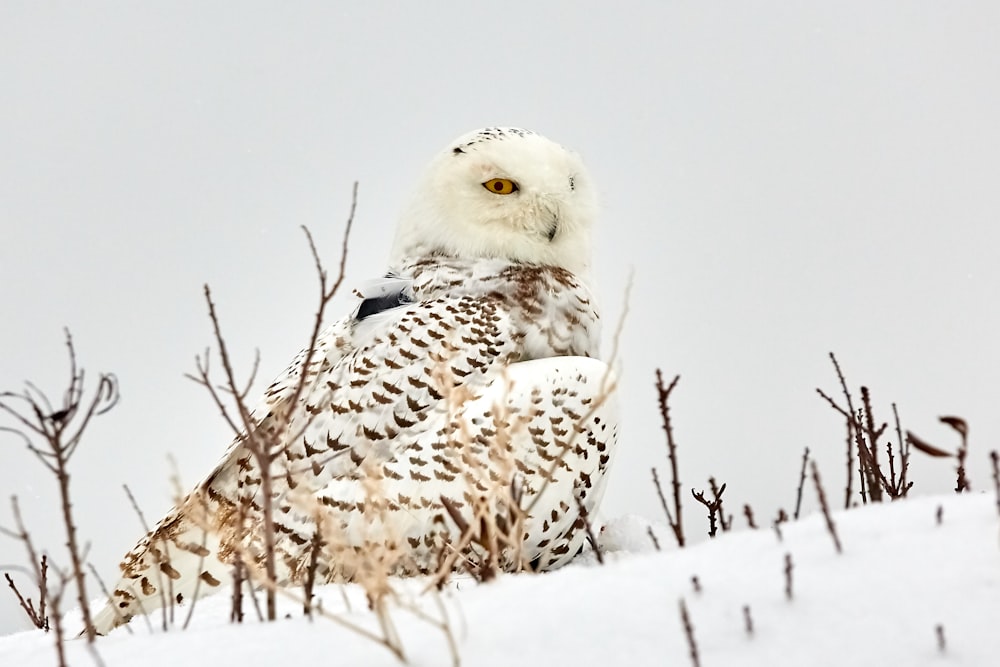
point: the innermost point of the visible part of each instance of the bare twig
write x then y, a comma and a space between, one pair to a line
55, 602
939, 633
788, 576
902, 486
869, 463
263, 439
663, 400
315, 545
656, 542
848, 415
960, 425
663, 500
780, 519
748, 513
802, 483
689, 634
995, 461
714, 507
831, 528
61, 430
585, 517
724, 523
157, 571
105, 592
37, 617
747, 621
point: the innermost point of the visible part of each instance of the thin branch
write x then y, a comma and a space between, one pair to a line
689, 634
995, 461
663, 400
584, 515
62, 430
789, 568
802, 483
830, 526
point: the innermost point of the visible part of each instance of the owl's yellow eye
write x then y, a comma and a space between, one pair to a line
500, 186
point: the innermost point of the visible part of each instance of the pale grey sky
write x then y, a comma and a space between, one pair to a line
784, 179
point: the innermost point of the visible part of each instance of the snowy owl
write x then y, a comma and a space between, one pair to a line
464, 379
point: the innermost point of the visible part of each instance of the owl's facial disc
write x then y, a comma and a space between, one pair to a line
502, 193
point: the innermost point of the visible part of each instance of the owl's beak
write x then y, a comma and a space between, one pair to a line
549, 216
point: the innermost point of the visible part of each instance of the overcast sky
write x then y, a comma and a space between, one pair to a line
783, 180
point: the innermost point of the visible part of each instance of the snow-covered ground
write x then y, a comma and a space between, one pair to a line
901, 576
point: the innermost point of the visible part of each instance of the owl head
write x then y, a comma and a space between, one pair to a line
502, 193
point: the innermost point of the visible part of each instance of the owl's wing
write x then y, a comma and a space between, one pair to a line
412, 398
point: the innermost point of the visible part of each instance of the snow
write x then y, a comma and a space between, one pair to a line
878, 603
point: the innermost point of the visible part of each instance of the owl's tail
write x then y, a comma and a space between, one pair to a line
175, 563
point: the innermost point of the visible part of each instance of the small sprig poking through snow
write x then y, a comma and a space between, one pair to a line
960, 425
788, 576
652, 537
747, 621
748, 513
585, 517
696, 583
780, 519
830, 526
995, 460
689, 634
939, 633
38, 616
714, 507
863, 446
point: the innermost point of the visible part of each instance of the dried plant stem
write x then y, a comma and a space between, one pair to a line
724, 523
869, 462
689, 634
960, 425
61, 430
38, 617
713, 506
995, 461
788, 576
802, 483
585, 517
663, 400
55, 601
315, 545
39, 568
652, 537
747, 621
161, 589
901, 485
848, 415
262, 439
780, 519
830, 526
105, 592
